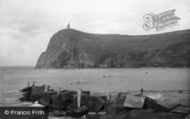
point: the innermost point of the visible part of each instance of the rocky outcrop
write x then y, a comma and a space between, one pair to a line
70, 48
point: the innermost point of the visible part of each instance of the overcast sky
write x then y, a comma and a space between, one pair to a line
27, 25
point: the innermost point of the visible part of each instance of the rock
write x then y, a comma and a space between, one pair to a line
32, 93
62, 100
119, 103
96, 104
46, 98
155, 96
70, 48
187, 117
168, 103
78, 112
143, 114
181, 109
160, 102
84, 99
119, 115
132, 101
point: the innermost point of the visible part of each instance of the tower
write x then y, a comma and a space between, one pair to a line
68, 26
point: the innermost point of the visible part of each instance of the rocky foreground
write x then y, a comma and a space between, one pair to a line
70, 48
123, 105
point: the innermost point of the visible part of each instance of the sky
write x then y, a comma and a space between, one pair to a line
26, 26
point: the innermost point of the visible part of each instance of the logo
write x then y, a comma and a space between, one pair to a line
160, 21
23, 113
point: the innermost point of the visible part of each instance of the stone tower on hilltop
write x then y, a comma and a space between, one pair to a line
68, 26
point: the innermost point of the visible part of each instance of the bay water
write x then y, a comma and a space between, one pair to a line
13, 79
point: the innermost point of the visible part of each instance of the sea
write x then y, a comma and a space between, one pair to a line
12, 79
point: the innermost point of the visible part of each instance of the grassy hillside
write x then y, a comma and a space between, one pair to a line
72, 48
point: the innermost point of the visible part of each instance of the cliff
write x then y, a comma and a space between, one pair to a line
70, 48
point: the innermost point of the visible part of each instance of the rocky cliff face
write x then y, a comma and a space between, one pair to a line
70, 48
